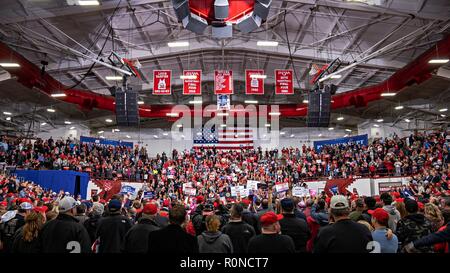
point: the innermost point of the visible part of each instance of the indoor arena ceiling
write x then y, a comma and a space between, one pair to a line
317, 32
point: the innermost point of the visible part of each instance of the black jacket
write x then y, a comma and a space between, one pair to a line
251, 219
344, 236
434, 238
271, 243
172, 239
240, 234
64, 234
91, 226
111, 230
136, 239
297, 229
21, 246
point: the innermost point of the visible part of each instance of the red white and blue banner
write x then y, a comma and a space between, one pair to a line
223, 138
359, 139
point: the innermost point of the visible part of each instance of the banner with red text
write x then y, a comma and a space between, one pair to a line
254, 82
162, 82
192, 83
223, 82
284, 84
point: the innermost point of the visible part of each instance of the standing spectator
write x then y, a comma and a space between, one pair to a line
370, 204
92, 222
319, 213
380, 220
26, 238
8, 228
270, 240
81, 213
250, 217
394, 214
344, 235
413, 227
112, 229
136, 239
434, 215
65, 234
212, 240
173, 238
294, 227
239, 231
356, 215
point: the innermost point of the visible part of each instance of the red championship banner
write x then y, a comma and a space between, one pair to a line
192, 82
161, 82
223, 82
254, 82
284, 84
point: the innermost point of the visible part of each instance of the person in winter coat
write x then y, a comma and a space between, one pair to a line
250, 217
173, 238
92, 222
318, 212
112, 229
26, 238
9, 227
394, 214
413, 227
81, 213
239, 231
65, 234
294, 227
212, 240
136, 239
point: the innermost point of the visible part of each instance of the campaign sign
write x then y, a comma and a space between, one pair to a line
284, 84
128, 190
149, 194
282, 187
223, 82
252, 185
254, 85
161, 82
300, 191
192, 86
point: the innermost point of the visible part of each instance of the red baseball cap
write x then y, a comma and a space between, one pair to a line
166, 203
399, 200
42, 209
150, 208
199, 199
421, 205
269, 218
379, 214
3, 203
245, 201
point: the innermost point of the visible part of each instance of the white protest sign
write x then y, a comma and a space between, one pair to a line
282, 187
252, 185
300, 191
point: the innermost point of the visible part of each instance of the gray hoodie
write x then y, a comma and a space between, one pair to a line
394, 217
214, 242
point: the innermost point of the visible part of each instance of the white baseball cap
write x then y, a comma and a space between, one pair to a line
67, 203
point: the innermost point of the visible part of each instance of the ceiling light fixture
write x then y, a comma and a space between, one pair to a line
306, 101
71, 128
400, 107
388, 94
7, 113
88, 2
438, 61
8, 118
51, 110
196, 102
267, 125
178, 44
172, 114
340, 118
331, 129
380, 120
67, 122
58, 95
258, 76
267, 43
274, 113
443, 110
101, 132
407, 120
292, 135
9, 65
251, 101
140, 102
282, 133
376, 125
43, 123
348, 130
319, 135
188, 77
114, 78
108, 120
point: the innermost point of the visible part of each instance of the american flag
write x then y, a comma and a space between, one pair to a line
224, 138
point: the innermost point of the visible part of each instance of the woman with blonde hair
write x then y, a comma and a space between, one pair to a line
212, 240
26, 238
434, 215
400, 206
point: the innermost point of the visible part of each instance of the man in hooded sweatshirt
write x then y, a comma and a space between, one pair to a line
394, 214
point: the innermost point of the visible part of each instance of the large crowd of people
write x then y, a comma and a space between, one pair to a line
411, 218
